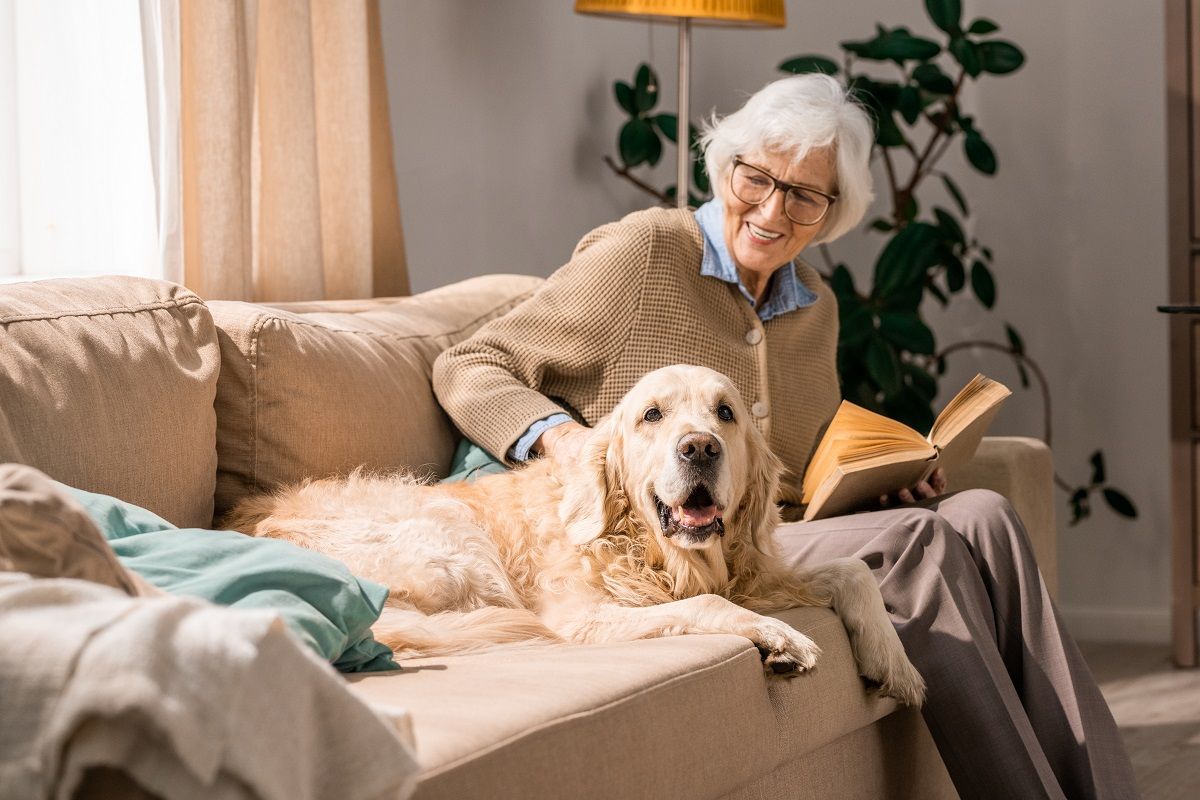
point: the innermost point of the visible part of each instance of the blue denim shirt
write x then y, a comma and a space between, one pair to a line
787, 294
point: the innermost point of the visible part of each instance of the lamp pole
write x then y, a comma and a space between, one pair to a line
683, 139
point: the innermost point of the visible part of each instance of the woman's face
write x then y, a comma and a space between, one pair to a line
761, 238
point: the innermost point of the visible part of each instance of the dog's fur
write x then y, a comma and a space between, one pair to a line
663, 526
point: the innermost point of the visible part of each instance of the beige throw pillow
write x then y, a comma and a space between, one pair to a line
317, 389
107, 384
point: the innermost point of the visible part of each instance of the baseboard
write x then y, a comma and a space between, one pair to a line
1106, 624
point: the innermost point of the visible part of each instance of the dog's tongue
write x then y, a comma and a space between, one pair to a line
696, 517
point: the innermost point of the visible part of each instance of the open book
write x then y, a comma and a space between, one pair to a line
864, 455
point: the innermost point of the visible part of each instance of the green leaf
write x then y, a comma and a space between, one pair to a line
1119, 503
857, 325
987, 253
888, 134
949, 226
910, 209
810, 63
645, 88
967, 54
980, 153
1097, 467
1015, 340
905, 298
933, 80
639, 144
1024, 375
956, 193
842, 283
904, 260
983, 284
956, 275
897, 45
882, 365
668, 124
910, 408
624, 94
1001, 58
907, 332
981, 27
881, 224
1080, 509
909, 104
921, 381
946, 14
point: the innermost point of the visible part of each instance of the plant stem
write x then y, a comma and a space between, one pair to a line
924, 162
624, 172
891, 175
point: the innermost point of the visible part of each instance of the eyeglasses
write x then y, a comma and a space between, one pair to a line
803, 205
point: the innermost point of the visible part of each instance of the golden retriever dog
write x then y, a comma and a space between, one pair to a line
663, 526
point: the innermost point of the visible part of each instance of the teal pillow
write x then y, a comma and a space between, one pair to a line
327, 607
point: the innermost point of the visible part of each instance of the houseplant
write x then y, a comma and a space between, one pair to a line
889, 359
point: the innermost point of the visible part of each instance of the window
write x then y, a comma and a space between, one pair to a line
77, 193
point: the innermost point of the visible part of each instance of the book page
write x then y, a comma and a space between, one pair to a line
962, 446
980, 395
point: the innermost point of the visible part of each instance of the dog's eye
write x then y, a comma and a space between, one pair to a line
652, 414
725, 413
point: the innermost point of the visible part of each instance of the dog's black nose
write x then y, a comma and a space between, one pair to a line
699, 448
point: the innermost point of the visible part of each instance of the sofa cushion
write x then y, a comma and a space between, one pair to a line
314, 389
108, 384
675, 717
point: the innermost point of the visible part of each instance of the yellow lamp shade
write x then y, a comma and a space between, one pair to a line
753, 13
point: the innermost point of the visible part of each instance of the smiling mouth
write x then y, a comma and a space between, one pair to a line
762, 235
696, 519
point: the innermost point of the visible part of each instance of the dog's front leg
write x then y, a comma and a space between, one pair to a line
880, 656
783, 648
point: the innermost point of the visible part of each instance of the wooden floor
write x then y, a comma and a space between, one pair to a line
1157, 708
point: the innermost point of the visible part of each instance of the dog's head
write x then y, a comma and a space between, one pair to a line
681, 453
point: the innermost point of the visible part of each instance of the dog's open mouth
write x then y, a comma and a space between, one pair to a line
697, 518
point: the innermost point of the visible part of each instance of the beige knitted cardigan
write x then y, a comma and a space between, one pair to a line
631, 300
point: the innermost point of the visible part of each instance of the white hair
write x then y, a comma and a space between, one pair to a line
794, 116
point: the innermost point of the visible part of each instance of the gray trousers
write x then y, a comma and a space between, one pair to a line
1012, 706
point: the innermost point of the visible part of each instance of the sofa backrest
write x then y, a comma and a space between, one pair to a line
136, 388
107, 384
319, 388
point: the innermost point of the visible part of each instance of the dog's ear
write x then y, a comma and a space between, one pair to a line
757, 510
583, 509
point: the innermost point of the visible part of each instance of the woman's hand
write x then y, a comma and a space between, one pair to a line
925, 490
563, 443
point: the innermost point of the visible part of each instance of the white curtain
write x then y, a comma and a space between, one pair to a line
77, 157
160, 50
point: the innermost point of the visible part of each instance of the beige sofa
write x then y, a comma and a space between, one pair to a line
139, 389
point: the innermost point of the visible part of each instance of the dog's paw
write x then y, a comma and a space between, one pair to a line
783, 649
897, 678
904, 683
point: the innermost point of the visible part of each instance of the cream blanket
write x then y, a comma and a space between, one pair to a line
190, 700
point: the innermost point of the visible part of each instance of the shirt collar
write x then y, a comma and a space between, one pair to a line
787, 292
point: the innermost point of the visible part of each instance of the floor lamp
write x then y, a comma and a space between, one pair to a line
743, 13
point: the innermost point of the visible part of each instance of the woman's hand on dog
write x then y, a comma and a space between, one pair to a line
563, 443
925, 490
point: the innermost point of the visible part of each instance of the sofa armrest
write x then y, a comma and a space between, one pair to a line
1021, 469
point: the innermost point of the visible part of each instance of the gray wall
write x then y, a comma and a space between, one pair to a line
501, 112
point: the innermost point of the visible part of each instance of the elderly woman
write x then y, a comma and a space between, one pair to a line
1011, 704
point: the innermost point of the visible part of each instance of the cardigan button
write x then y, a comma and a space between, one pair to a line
759, 409
753, 336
